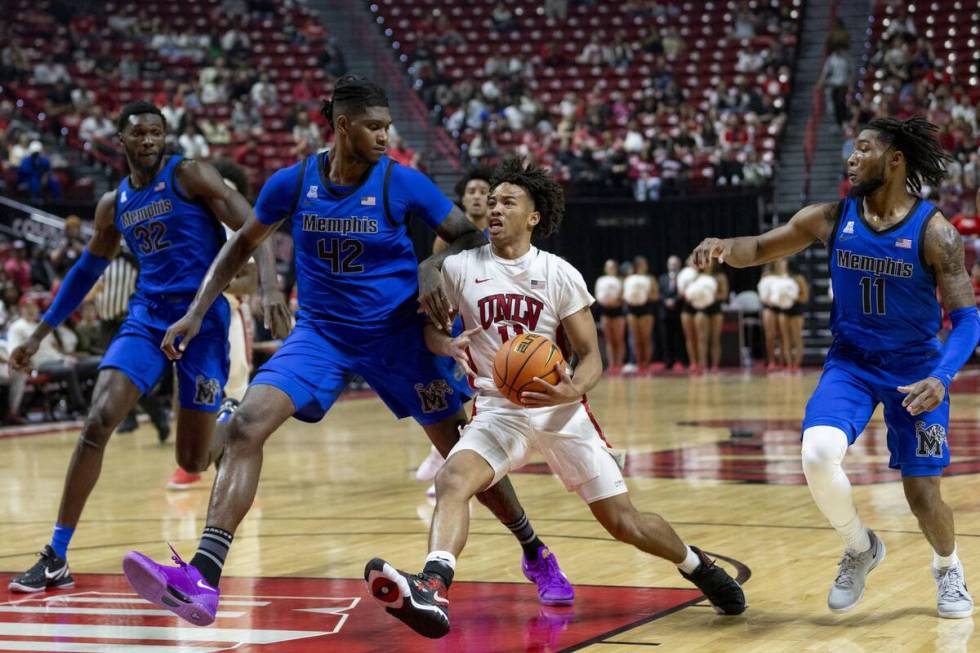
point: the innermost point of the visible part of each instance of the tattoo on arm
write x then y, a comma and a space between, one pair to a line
944, 252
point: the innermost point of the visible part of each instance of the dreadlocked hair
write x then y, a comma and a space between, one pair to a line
925, 159
480, 172
546, 193
352, 95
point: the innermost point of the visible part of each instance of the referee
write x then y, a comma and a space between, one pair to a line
111, 295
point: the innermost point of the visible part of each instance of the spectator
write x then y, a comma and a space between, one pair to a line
306, 136
70, 247
556, 9
52, 359
18, 268
193, 144
264, 92
502, 18
403, 154
836, 79
34, 173
96, 126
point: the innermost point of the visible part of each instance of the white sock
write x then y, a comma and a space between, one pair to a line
945, 562
823, 452
690, 563
445, 557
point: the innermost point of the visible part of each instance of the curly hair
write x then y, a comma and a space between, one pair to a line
546, 194
352, 95
925, 159
479, 172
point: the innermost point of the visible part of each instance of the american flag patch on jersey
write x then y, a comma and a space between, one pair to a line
904, 243
160, 186
368, 201
536, 283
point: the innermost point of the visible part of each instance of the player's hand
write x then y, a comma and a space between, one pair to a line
184, 329
458, 346
710, 248
564, 392
275, 313
923, 396
433, 299
20, 359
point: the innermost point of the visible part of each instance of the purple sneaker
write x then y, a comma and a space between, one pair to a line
553, 586
180, 589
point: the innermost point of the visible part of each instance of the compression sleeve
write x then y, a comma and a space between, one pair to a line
960, 344
76, 285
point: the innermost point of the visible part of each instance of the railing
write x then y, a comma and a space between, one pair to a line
817, 103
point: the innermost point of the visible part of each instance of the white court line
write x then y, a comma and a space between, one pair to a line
73, 647
109, 612
180, 634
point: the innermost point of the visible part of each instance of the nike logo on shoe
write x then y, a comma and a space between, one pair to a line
58, 573
438, 599
205, 586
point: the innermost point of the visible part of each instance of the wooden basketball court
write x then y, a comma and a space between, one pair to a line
335, 494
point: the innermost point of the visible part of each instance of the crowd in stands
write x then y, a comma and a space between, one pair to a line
238, 79
641, 97
922, 60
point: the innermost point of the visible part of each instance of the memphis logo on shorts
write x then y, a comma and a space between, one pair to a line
930, 439
433, 396
206, 391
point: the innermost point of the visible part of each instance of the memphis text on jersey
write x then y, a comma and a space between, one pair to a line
143, 213
878, 266
352, 225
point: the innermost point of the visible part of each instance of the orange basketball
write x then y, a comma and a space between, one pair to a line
522, 358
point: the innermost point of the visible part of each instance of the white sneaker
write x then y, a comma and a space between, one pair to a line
430, 466
953, 601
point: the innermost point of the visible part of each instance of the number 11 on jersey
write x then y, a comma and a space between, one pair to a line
878, 306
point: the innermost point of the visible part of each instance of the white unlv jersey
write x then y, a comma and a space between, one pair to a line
508, 297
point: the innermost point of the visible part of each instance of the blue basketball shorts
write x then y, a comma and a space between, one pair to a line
849, 391
202, 370
317, 360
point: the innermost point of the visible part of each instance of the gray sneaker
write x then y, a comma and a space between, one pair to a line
952, 598
854, 568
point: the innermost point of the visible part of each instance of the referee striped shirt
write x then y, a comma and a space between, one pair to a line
119, 283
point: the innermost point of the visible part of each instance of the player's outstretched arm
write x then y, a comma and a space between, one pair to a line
79, 280
810, 224
461, 235
944, 254
202, 181
582, 336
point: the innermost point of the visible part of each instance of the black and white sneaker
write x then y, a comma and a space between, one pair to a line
722, 591
49, 573
420, 601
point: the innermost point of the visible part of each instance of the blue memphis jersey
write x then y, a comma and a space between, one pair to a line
884, 293
174, 238
355, 263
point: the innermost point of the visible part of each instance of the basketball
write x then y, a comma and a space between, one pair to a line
522, 358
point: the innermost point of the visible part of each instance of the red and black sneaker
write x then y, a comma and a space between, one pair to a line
722, 591
418, 600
